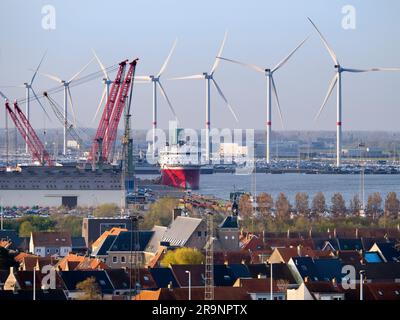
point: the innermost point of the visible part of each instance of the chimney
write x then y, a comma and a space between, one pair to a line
299, 247
175, 213
306, 279
170, 286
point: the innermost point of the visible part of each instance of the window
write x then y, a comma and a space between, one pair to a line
199, 233
226, 237
233, 237
48, 250
123, 259
146, 278
397, 292
114, 259
57, 250
380, 292
102, 282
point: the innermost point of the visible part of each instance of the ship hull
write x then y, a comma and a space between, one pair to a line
184, 177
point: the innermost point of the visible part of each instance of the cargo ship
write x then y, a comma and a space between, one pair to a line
179, 165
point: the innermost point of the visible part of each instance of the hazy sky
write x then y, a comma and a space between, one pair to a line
260, 32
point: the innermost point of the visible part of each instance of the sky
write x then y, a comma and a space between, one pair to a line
259, 32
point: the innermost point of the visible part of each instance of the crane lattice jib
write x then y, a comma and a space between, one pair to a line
112, 130
105, 117
44, 156
37, 150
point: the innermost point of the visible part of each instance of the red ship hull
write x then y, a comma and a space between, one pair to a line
184, 177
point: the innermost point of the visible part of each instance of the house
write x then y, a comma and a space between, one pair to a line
24, 295
220, 293
387, 251
50, 243
118, 251
93, 228
375, 291
11, 237
228, 235
317, 290
71, 279
23, 280
164, 277
76, 262
186, 232
120, 281
29, 263
283, 255
350, 256
260, 289
314, 270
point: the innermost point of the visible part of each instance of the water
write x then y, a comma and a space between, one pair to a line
221, 184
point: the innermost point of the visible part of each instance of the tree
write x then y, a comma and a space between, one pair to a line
183, 256
72, 224
318, 204
25, 229
338, 207
90, 289
282, 207
265, 204
355, 205
245, 205
106, 210
302, 205
160, 213
392, 205
374, 205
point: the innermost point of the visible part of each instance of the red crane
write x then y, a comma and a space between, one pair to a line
105, 117
106, 133
35, 146
112, 129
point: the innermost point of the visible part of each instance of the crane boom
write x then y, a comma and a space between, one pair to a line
105, 117
111, 133
35, 146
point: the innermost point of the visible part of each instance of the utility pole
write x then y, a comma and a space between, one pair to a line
362, 272
190, 284
271, 282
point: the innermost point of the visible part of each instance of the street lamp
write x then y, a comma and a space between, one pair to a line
362, 272
190, 284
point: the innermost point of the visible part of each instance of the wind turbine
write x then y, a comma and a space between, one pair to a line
29, 88
6, 127
209, 77
107, 83
268, 72
67, 95
337, 79
155, 80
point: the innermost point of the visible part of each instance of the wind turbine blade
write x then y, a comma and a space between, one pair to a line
38, 67
370, 70
281, 63
248, 65
142, 78
50, 76
72, 106
3, 96
100, 104
328, 94
224, 98
101, 65
41, 105
164, 94
80, 71
277, 101
196, 76
167, 60
216, 62
18, 86
331, 52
